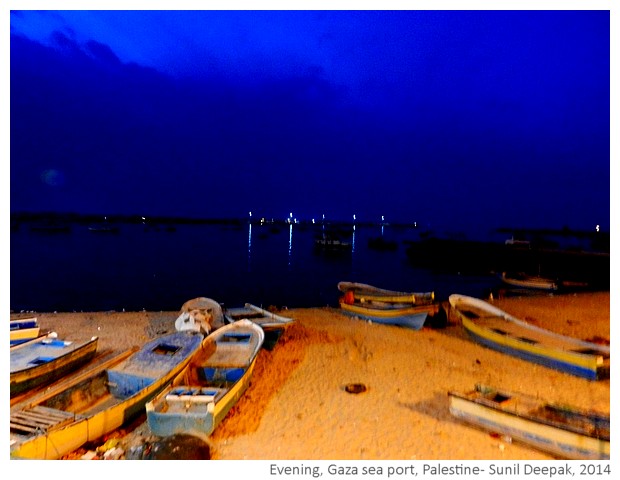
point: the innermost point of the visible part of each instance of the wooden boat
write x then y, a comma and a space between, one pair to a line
46, 359
500, 331
99, 401
267, 320
560, 430
521, 280
368, 293
24, 329
200, 398
401, 314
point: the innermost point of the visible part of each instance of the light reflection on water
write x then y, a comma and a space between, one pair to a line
290, 246
249, 247
161, 269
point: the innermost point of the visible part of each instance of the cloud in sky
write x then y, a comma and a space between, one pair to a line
406, 113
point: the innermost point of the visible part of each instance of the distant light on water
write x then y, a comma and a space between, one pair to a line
598, 228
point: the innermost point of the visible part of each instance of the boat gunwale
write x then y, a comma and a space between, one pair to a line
477, 397
605, 351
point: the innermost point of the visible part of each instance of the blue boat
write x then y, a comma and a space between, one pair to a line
496, 329
45, 359
94, 403
203, 394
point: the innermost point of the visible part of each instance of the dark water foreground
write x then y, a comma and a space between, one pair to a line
133, 267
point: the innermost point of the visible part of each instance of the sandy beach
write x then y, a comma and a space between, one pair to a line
297, 408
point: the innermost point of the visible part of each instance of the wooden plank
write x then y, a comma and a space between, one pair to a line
15, 426
54, 412
30, 417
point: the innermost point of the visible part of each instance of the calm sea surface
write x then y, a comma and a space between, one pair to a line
155, 269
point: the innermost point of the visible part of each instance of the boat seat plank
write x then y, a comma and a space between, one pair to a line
40, 418
23, 428
34, 417
53, 412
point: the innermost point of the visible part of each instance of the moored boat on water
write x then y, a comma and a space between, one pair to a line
522, 280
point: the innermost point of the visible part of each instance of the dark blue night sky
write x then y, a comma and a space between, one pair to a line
454, 119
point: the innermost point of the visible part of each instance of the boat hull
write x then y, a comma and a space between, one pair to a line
201, 397
23, 335
194, 418
34, 374
411, 318
267, 320
24, 330
530, 282
365, 292
101, 401
516, 338
548, 437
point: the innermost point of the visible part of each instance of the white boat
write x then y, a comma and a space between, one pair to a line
521, 280
561, 430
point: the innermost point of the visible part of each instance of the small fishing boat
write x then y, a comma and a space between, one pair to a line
400, 314
46, 359
24, 329
501, 331
99, 401
561, 430
264, 318
522, 280
368, 293
272, 324
203, 394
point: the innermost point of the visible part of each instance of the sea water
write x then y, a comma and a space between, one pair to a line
159, 268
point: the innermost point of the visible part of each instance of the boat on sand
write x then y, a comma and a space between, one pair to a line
203, 394
561, 430
503, 332
45, 359
99, 401
368, 293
